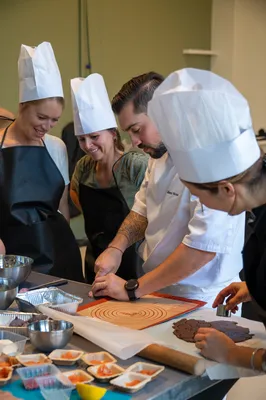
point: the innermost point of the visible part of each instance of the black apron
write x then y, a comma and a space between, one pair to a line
31, 187
254, 257
104, 211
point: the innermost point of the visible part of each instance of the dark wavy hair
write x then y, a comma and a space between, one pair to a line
139, 90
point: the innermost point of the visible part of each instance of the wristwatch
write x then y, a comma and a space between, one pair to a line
131, 286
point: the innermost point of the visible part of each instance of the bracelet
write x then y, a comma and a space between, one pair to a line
117, 248
263, 364
253, 356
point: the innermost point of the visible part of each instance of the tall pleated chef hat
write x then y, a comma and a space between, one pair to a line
205, 124
92, 109
39, 75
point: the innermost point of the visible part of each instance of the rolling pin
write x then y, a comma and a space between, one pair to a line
174, 358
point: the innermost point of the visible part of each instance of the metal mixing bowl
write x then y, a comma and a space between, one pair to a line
50, 335
7, 295
15, 268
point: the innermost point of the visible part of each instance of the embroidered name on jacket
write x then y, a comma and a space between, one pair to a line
173, 193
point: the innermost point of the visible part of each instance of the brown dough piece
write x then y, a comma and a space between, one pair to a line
221, 325
180, 322
191, 324
186, 329
37, 318
17, 322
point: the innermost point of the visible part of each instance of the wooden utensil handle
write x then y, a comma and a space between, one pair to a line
174, 358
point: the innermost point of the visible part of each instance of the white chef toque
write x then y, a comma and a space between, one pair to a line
39, 75
91, 106
205, 124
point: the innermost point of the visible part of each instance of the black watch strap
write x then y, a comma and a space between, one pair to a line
131, 287
131, 295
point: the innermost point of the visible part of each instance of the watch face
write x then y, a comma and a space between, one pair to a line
132, 284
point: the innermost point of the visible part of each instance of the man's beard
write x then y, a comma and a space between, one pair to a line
154, 152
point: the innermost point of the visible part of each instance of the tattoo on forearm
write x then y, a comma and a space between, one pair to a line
133, 227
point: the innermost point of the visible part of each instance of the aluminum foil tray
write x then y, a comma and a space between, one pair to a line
51, 297
8, 316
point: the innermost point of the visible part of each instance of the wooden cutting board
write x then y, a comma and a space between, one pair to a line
148, 311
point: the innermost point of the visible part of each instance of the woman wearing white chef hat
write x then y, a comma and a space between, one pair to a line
34, 171
106, 180
207, 129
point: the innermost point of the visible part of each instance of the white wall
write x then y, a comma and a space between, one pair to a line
238, 34
223, 37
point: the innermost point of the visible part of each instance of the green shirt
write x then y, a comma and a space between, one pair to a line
129, 174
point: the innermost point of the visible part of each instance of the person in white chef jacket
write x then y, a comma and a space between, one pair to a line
208, 129
188, 249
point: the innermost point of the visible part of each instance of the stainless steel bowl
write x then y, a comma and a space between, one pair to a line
15, 268
50, 335
7, 295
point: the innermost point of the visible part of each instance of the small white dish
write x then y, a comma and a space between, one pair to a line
59, 357
146, 369
79, 373
4, 381
29, 360
124, 382
102, 357
105, 372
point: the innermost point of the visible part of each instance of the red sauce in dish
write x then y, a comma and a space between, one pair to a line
77, 378
103, 370
68, 356
133, 383
96, 362
41, 361
147, 372
4, 372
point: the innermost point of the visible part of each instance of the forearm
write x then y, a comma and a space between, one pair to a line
241, 357
131, 231
183, 262
63, 206
75, 199
2, 247
64, 209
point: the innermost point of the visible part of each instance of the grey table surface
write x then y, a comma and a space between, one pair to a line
170, 384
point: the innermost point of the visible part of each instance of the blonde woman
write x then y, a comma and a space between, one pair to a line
34, 171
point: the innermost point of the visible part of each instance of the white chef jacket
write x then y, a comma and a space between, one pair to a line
175, 216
